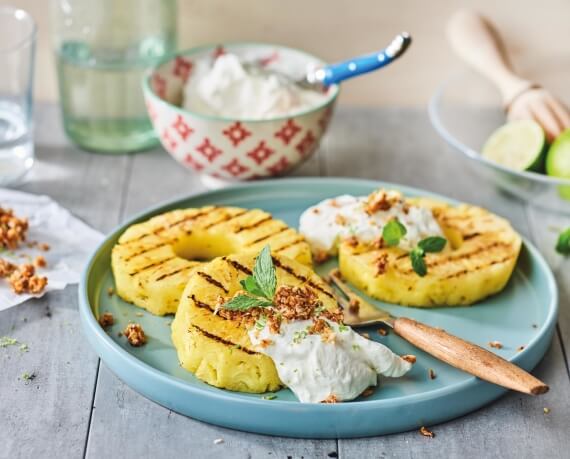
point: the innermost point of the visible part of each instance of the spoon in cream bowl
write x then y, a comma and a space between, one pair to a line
319, 78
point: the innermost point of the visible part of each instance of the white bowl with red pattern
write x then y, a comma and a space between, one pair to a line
229, 149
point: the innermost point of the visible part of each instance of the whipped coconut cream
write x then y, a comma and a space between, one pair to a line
315, 369
327, 223
227, 89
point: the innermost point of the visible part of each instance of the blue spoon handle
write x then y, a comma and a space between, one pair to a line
335, 73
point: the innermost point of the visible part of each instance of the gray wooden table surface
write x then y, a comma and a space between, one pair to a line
75, 407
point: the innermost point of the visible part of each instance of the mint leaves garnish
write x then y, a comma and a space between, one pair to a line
563, 243
245, 302
393, 232
430, 244
260, 286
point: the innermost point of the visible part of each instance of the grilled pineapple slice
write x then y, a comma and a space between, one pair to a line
480, 260
217, 350
152, 260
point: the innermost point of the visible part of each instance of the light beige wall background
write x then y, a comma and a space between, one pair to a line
335, 29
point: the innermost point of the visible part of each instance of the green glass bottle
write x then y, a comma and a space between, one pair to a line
102, 50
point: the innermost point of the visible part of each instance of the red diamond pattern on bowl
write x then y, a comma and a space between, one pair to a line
305, 146
168, 140
159, 85
235, 168
209, 151
260, 153
190, 161
182, 128
182, 68
236, 133
279, 167
288, 131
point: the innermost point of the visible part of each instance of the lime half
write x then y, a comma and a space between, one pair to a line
558, 161
518, 145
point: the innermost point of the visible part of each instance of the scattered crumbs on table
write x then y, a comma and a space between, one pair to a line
119, 334
40, 262
332, 454
24, 347
496, 344
169, 323
139, 314
24, 319
110, 291
520, 348
409, 358
28, 376
43, 246
431, 374
534, 326
217, 441
546, 410
382, 331
426, 432
6, 341
269, 397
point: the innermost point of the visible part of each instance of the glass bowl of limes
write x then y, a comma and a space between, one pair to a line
467, 112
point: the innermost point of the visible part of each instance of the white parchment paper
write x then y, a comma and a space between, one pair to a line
71, 242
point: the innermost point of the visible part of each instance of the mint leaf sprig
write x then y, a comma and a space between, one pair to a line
563, 243
260, 286
432, 244
393, 232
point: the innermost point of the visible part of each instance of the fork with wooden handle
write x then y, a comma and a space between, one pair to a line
476, 40
448, 348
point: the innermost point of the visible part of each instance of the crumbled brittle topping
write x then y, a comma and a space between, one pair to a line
381, 200
340, 219
6, 268
40, 262
332, 398
381, 264
320, 256
296, 303
496, 344
24, 280
135, 334
106, 319
426, 432
409, 358
13, 230
352, 241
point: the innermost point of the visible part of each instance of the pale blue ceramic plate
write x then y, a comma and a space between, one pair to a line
523, 314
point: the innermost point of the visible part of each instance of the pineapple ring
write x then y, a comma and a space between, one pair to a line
152, 260
218, 350
482, 257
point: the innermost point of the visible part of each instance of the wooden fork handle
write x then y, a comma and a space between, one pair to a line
468, 357
476, 40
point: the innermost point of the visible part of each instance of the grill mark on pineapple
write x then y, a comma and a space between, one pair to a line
291, 244
257, 224
221, 340
263, 238
463, 272
212, 281
226, 219
238, 266
147, 249
172, 273
152, 265
300, 277
202, 305
157, 231
459, 257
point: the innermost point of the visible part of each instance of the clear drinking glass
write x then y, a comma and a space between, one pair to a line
17, 49
102, 49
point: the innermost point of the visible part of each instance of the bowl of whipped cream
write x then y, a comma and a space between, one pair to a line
216, 116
